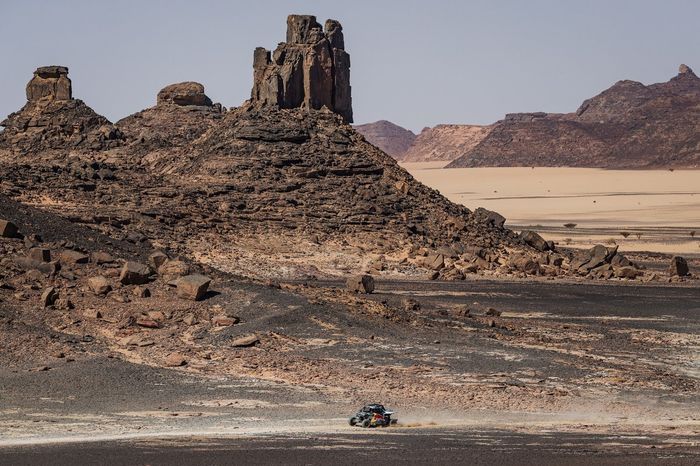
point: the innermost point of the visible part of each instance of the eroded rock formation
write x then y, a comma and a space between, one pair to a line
184, 94
53, 120
310, 70
50, 82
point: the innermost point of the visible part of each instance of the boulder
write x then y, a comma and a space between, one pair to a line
8, 229
46, 268
175, 360
99, 285
434, 261
361, 284
173, 269
244, 341
490, 217
533, 239
524, 263
157, 259
74, 257
100, 258
678, 267
134, 273
49, 296
224, 321
193, 287
40, 254
183, 94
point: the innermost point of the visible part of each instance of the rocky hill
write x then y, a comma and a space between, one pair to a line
445, 142
389, 137
629, 125
279, 187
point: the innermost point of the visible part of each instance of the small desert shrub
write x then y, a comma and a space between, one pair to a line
567, 240
692, 234
625, 234
570, 225
639, 235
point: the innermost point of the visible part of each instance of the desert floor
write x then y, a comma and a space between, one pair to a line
641, 210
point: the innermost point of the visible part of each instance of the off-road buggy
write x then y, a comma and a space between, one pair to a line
374, 415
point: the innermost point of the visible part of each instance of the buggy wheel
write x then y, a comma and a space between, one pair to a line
365, 423
353, 421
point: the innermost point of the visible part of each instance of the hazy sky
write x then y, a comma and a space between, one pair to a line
417, 63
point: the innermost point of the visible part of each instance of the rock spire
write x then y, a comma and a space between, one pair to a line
310, 70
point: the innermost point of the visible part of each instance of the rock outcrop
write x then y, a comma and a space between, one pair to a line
389, 137
50, 83
629, 125
53, 120
185, 93
310, 70
182, 114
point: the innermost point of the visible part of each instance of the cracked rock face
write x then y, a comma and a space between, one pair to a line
311, 70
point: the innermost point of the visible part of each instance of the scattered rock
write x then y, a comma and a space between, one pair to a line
678, 267
361, 284
40, 254
8, 229
100, 258
134, 273
99, 285
627, 272
175, 360
193, 287
173, 269
244, 341
49, 297
74, 257
223, 321
490, 217
147, 323
434, 261
142, 292
157, 259
535, 240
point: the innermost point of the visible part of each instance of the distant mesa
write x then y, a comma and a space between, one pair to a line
311, 70
629, 125
184, 94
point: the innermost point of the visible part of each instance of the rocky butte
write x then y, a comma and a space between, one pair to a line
310, 70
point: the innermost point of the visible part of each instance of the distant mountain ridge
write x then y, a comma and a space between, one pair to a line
629, 125
439, 143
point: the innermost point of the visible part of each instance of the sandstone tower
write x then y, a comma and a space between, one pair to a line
311, 69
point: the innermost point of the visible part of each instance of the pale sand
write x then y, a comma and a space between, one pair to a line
659, 208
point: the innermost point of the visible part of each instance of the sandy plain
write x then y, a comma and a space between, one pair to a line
641, 210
